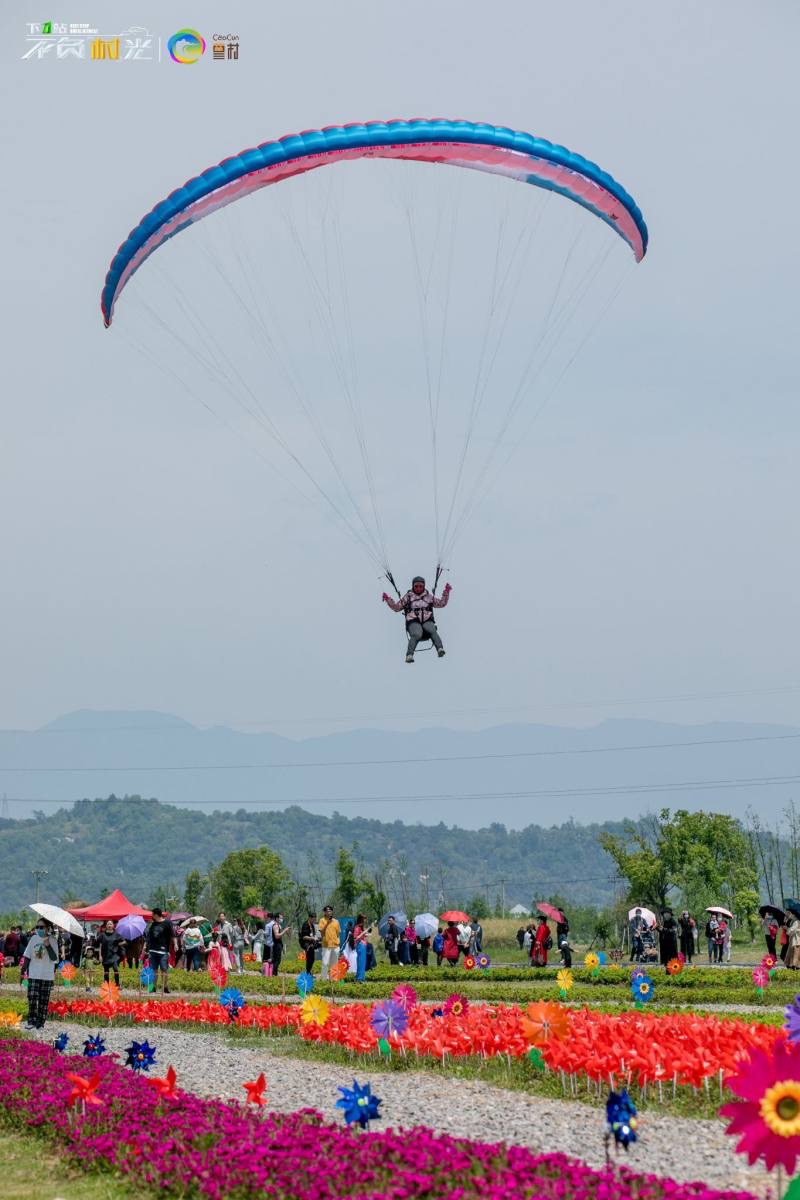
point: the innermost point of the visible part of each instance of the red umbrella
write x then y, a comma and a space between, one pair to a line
259, 913
549, 910
455, 915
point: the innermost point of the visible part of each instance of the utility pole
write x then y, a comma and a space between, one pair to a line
38, 875
503, 898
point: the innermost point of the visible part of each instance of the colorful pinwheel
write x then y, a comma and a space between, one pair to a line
232, 1001
67, 972
643, 990
83, 1089
674, 966
543, 1021
61, 1042
405, 996
109, 993
760, 978
766, 1118
456, 1005
469, 962
565, 981
792, 1020
315, 1010
147, 977
93, 1047
621, 1118
165, 1085
591, 961
140, 1055
483, 961
305, 983
255, 1091
339, 970
359, 1104
389, 1017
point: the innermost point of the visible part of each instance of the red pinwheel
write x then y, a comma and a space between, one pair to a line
84, 1089
166, 1085
255, 1091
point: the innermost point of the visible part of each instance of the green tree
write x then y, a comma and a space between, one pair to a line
703, 858
348, 885
478, 907
250, 878
193, 887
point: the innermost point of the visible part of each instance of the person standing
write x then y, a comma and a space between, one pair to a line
719, 939
667, 937
308, 940
159, 943
391, 940
278, 933
359, 936
193, 945
476, 941
687, 923
450, 948
112, 951
770, 927
438, 946
636, 927
240, 939
793, 942
41, 958
711, 929
330, 936
542, 942
224, 927
11, 948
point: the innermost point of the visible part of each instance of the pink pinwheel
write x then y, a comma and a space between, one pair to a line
760, 976
405, 996
768, 1115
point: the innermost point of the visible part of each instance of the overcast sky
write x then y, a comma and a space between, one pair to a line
640, 545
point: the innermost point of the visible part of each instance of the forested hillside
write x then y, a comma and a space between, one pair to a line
141, 845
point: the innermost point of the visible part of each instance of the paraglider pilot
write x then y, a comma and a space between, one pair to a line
417, 606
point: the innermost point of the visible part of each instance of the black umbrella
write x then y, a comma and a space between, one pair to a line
792, 906
771, 910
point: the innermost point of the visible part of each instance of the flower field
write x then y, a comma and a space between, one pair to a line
680, 1050
104, 1117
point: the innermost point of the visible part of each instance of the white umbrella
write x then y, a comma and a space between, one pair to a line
649, 916
722, 911
426, 924
58, 916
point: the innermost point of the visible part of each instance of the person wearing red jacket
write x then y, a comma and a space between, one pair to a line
451, 947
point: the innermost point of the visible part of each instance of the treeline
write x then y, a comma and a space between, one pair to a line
143, 846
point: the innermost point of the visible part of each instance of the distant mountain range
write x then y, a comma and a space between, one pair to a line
514, 774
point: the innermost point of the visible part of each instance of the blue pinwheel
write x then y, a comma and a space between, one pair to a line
643, 989
60, 1043
305, 983
359, 1104
93, 1047
437, 1012
389, 1017
232, 1001
140, 1055
147, 977
621, 1118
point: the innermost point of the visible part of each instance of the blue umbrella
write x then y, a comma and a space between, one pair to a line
400, 919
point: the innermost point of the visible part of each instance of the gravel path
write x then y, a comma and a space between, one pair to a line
210, 1065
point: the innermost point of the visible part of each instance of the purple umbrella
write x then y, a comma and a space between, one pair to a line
131, 927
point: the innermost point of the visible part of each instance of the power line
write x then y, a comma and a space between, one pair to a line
633, 789
393, 762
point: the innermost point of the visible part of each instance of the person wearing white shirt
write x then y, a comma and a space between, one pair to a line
41, 959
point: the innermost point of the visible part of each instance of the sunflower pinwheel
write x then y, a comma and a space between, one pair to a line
643, 989
483, 961
314, 1010
469, 962
456, 1005
766, 1118
565, 982
674, 966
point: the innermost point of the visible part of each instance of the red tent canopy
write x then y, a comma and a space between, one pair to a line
113, 908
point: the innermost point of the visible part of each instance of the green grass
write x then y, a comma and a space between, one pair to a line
31, 1170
